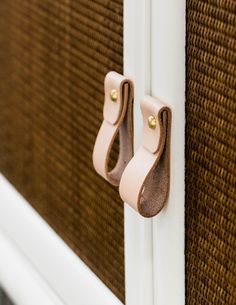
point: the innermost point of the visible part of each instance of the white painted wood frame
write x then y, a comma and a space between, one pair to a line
39, 251
138, 230
154, 57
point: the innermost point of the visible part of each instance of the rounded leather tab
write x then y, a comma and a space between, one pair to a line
112, 110
118, 117
145, 181
151, 137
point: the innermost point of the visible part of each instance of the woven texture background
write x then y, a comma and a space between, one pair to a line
210, 152
53, 58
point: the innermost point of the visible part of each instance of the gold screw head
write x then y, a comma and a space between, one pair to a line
152, 123
114, 95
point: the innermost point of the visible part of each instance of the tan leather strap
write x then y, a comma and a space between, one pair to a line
118, 117
145, 181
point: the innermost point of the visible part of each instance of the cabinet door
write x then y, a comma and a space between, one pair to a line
55, 55
65, 228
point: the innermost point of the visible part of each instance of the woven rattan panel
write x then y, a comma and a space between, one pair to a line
53, 57
210, 152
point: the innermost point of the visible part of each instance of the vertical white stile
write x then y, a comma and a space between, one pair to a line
168, 83
138, 230
154, 57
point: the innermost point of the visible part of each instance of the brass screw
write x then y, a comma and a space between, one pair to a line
152, 123
114, 95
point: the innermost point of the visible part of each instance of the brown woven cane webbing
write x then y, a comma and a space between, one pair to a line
210, 153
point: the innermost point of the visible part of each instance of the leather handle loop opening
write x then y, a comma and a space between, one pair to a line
118, 118
145, 181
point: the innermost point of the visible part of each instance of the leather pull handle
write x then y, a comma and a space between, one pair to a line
145, 181
118, 117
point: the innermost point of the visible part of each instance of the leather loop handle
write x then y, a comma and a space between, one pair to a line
118, 117
145, 181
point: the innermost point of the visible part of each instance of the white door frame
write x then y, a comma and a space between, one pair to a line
138, 230
20, 280
168, 83
154, 57
54, 264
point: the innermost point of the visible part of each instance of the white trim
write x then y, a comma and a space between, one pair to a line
70, 279
168, 83
138, 230
154, 57
20, 280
